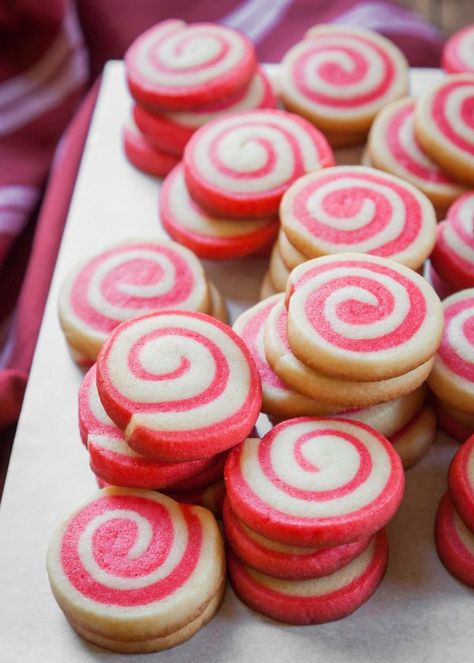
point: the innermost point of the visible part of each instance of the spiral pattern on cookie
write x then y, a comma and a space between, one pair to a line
358, 209
308, 478
253, 154
457, 348
157, 545
343, 71
458, 52
453, 256
178, 62
355, 308
132, 279
179, 377
452, 113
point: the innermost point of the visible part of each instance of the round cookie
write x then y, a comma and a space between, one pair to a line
444, 125
458, 52
113, 461
452, 377
393, 147
126, 280
453, 254
181, 385
339, 77
315, 482
361, 317
277, 399
171, 131
155, 644
461, 482
206, 235
145, 156
414, 439
313, 601
358, 209
175, 66
165, 566
240, 165
332, 391
283, 561
454, 542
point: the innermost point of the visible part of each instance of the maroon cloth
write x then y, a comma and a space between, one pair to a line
43, 72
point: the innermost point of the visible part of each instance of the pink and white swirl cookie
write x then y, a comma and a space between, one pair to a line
280, 560
453, 254
317, 600
116, 463
315, 482
292, 257
180, 385
353, 208
206, 235
454, 542
452, 377
126, 280
444, 125
175, 66
461, 482
277, 399
240, 165
332, 391
339, 77
414, 439
362, 317
143, 155
165, 566
171, 131
393, 147
458, 52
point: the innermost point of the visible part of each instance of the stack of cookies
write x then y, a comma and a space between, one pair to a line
134, 571
181, 77
339, 77
222, 201
452, 260
126, 280
408, 423
171, 392
454, 530
452, 377
351, 208
305, 515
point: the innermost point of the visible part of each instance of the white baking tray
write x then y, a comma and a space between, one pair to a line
419, 613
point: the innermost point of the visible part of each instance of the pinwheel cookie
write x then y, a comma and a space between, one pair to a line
171, 131
458, 52
452, 377
339, 77
453, 254
160, 581
361, 317
353, 208
206, 235
181, 385
144, 155
317, 600
175, 66
393, 147
126, 280
444, 125
454, 542
293, 486
240, 165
